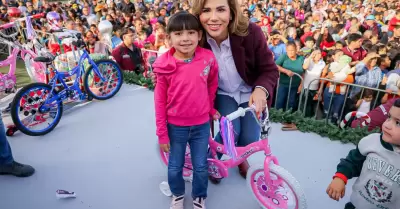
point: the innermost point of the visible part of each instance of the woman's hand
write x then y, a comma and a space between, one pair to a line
289, 73
259, 99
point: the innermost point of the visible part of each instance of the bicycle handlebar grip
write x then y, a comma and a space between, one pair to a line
36, 16
7, 25
238, 113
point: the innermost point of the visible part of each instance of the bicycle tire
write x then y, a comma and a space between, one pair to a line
15, 110
282, 173
86, 80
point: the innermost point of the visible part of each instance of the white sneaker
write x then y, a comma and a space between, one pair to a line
199, 203
177, 202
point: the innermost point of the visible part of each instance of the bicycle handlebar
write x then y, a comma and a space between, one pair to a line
11, 24
242, 112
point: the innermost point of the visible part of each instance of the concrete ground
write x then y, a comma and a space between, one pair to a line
106, 153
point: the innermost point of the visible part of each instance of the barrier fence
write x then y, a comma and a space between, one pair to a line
342, 103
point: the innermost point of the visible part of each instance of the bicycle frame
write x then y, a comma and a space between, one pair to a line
242, 154
11, 60
60, 76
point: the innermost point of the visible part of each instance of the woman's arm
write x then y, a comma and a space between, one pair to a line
307, 62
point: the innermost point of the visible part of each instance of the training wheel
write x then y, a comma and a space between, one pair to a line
11, 130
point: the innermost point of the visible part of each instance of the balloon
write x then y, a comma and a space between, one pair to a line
105, 28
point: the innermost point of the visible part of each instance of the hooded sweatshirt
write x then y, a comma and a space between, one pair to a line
185, 92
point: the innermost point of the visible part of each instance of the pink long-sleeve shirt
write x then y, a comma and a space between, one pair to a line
185, 92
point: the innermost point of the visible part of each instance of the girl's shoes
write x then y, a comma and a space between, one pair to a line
199, 203
177, 202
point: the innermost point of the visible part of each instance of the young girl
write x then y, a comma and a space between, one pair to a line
364, 104
187, 80
376, 164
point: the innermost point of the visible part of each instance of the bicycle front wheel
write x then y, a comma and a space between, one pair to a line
26, 114
284, 192
98, 89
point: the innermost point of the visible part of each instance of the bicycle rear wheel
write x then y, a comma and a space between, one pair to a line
275, 196
187, 169
25, 110
103, 90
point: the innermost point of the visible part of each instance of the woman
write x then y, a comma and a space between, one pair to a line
367, 73
288, 64
313, 67
247, 72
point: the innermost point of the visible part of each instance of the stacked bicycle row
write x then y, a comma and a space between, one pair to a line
37, 108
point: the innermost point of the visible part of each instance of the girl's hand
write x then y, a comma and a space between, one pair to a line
259, 99
216, 116
165, 147
336, 189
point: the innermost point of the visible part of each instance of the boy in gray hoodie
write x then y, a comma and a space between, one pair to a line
376, 163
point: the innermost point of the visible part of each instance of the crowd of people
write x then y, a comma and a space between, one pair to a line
236, 64
347, 41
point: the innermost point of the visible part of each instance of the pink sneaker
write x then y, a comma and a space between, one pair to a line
199, 203
177, 202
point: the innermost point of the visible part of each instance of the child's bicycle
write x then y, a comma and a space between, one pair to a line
39, 102
272, 186
8, 80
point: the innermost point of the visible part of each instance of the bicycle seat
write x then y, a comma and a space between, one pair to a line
43, 59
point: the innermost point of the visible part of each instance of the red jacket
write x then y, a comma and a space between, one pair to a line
127, 59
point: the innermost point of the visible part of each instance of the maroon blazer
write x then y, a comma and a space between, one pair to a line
253, 60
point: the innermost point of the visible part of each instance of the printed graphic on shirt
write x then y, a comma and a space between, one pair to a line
207, 68
378, 190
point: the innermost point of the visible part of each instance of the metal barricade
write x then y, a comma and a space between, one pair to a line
377, 94
4, 48
289, 91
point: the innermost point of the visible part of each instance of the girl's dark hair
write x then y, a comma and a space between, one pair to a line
183, 21
397, 103
363, 94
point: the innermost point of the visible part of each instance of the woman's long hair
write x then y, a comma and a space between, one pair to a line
238, 25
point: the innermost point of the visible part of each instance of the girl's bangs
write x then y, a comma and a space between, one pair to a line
183, 21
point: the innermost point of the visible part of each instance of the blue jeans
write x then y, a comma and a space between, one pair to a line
337, 103
5, 149
246, 129
197, 137
283, 96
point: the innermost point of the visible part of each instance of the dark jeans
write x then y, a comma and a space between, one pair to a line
283, 96
246, 129
349, 205
5, 149
337, 104
197, 137
311, 104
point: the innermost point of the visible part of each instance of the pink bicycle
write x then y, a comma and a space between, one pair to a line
272, 186
35, 70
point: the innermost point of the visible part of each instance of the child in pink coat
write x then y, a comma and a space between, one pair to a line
187, 82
